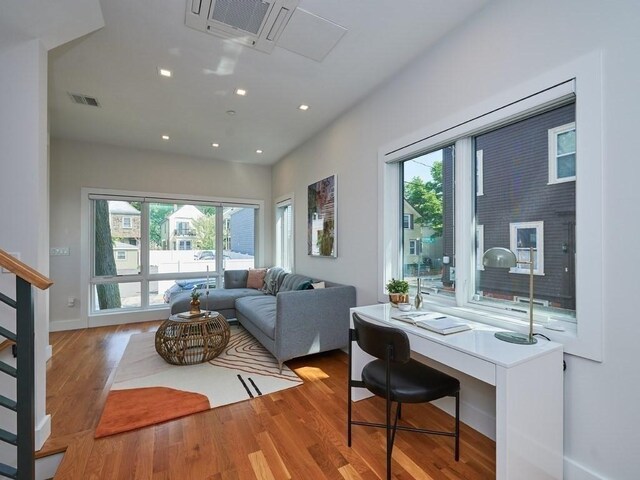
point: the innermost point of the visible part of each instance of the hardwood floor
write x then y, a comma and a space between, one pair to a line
298, 433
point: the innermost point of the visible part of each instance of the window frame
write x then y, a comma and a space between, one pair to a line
505, 106
553, 153
127, 227
121, 255
284, 249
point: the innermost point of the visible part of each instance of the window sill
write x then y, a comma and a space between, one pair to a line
568, 337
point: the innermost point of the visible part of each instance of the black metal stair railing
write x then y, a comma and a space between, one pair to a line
24, 371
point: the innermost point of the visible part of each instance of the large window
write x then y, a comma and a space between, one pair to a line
166, 247
518, 209
506, 195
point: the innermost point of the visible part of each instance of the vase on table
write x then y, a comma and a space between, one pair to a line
194, 306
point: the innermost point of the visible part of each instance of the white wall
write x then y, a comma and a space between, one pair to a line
24, 216
75, 165
506, 44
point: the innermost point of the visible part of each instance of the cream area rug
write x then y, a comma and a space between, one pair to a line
147, 390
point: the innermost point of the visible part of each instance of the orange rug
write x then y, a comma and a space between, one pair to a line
147, 390
135, 408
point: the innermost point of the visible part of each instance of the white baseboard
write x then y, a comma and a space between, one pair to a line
43, 430
62, 325
122, 318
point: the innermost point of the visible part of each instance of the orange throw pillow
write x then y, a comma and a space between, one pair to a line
255, 279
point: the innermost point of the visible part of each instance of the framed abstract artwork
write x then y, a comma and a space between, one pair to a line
321, 219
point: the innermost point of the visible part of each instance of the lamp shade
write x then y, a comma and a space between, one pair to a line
499, 257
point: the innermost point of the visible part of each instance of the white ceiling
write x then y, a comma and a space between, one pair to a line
118, 65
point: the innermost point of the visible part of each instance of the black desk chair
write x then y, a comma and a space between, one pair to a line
397, 378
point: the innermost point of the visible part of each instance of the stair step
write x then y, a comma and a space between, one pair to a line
8, 369
8, 471
7, 334
8, 403
8, 437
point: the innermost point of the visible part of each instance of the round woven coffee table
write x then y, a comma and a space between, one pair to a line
182, 341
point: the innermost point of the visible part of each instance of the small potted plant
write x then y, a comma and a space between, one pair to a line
195, 300
398, 291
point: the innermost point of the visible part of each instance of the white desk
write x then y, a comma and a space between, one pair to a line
528, 382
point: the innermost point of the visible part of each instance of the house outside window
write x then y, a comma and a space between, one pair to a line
121, 255
184, 245
562, 153
126, 223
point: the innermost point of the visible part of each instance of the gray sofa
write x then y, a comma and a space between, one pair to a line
290, 324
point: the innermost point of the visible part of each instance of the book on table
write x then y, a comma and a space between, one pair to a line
433, 321
188, 315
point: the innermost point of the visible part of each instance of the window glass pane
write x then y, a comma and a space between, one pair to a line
427, 231
116, 247
567, 166
181, 238
114, 296
567, 142
284, 236
521, 210
239, 238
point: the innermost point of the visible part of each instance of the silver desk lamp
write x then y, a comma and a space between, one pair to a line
504, 258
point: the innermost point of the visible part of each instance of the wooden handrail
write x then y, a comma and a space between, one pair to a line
24, 271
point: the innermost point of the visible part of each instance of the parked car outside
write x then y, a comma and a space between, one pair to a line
205, 255
187, 285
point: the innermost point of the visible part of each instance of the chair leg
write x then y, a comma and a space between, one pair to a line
399, 412
457, 447
389, 438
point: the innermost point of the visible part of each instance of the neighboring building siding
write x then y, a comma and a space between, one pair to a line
516, 190
241, 226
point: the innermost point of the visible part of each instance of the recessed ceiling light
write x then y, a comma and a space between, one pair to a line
231, 112
164, 72
258, 151
241, 91
165, 137
215, 145
303, 107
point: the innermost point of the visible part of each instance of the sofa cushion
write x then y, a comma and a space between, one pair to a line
293, 281
255, 278
273, 279
260, 311
235, 279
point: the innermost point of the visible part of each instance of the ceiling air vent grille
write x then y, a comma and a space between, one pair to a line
254, 23
246, 15
84, 100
